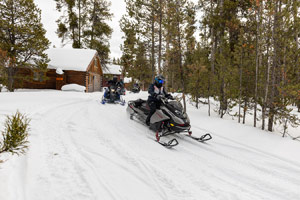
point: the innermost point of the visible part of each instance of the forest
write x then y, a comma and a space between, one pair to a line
241, 54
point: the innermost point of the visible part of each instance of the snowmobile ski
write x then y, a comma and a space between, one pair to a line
121, 101
171, 143
203, 138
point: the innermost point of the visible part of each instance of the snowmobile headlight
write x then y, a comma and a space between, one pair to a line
112, 90
177, 112
172, 124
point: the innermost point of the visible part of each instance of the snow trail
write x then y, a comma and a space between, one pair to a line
81, 149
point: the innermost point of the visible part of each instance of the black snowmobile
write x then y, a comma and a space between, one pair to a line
113, 94
136, 89
169, 119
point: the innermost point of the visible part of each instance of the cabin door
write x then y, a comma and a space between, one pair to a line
59, 81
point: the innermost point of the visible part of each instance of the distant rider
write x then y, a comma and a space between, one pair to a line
114, 83
156, 92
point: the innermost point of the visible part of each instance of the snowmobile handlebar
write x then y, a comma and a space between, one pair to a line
164, 99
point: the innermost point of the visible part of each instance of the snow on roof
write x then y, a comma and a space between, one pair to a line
70, 59
127, 80
112, 69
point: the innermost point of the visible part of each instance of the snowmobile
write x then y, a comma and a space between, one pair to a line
168, 120
113, 95
135, 89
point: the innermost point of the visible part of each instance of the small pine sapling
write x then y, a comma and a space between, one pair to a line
15, 134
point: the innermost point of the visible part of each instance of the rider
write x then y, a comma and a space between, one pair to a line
111, 84
156, 92
136, 85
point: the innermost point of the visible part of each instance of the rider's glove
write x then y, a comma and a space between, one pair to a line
159, 97
170, 97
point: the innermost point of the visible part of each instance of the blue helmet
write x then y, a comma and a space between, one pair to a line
159, 80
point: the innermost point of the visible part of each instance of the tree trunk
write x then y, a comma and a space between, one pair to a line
265, 106
79, 23
160, 36
274, 69
245, 110
11, 71
180, 56
223, 99
152, 46
212, 65
240, 92
93, 24
257, 55
296, 31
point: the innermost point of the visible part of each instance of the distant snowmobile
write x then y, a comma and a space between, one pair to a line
136, 88
169, 119
113, 95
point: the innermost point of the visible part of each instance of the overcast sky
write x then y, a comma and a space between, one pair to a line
50, 15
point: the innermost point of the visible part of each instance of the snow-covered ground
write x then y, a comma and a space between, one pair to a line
83, 150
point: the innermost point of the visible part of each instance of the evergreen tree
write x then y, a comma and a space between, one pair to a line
22, 36
97, 37
83, 22
135, 58
247, 53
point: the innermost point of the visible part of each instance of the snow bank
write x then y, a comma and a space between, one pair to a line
73, 87
3, 88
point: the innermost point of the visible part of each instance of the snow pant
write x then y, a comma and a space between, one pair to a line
153, 106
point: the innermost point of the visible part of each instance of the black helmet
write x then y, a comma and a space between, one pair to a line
115, 78
159, 80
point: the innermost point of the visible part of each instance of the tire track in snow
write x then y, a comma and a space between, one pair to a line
131, 158
251, 148
62, 166
167, 180
90, 163
157, 177
262, 171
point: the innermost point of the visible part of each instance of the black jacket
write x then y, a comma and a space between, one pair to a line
153, 94
113, 83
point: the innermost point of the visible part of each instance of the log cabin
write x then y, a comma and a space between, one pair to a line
66, 66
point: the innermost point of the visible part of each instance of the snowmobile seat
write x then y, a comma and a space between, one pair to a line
145, 108
142, 105
138, 103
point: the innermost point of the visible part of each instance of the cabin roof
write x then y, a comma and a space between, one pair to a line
70, 59
112, 69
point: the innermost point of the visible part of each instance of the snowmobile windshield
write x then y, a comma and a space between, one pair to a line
177, 105
176, 108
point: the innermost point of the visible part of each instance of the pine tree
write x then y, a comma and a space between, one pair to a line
97, 37
83, 22
22, 36
144, 14
15, 134
182, 16
72, 23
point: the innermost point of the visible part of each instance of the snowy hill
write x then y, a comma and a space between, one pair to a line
83, 150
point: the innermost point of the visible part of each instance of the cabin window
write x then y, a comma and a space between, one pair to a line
38, 76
